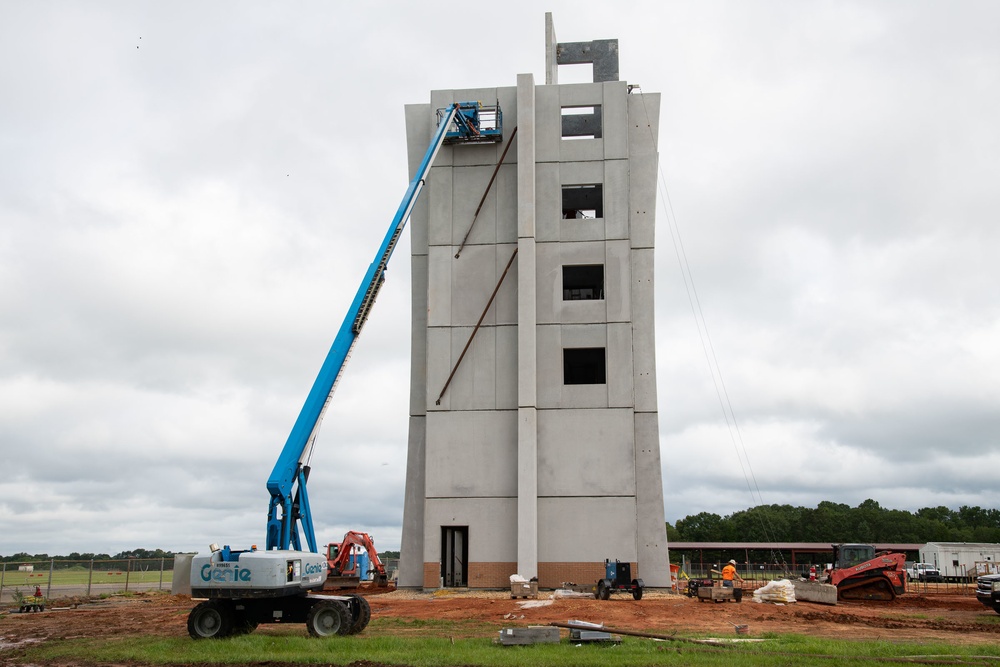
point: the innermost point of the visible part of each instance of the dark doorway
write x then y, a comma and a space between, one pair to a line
454, 556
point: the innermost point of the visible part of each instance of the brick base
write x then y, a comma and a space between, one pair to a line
497, 575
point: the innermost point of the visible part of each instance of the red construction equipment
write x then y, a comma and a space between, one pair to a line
859, 573
345, 562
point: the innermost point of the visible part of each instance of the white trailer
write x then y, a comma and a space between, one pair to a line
961, 560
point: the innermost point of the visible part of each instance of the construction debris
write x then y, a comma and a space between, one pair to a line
533, 634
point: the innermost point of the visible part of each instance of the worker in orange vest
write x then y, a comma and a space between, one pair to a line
729, 573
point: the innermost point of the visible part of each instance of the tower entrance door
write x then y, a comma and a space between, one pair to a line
454, 556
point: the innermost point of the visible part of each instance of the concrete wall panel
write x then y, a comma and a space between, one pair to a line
581, 173
551, 258
620, 372
505, 188
440, 262
552, 393
581, 94
615, 95
644, 118
548, 202
618, 281
469, 186
506, 373
548, 124
492, 526
581, 229
549, 361
586, 529
508, 103
438, 367
644, 124
585, 150
474, 385
473, 278
642, 202
418, 334
471, 454
643, 331
504, 309
652, 536
586, 453
616, 199
438, 193
412, 541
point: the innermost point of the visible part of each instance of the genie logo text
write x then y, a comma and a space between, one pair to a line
314, 568
222, 573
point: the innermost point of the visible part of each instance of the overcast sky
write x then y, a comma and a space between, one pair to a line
190, 192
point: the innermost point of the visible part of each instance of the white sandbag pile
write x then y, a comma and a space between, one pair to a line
780, 590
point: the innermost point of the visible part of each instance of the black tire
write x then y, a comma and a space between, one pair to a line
328, 618
599, 591
636, 590
603, 590
361, 614
210, 620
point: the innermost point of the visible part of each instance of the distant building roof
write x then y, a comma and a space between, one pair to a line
966, 545
784, 546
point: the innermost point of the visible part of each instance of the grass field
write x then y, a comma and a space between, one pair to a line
440, 650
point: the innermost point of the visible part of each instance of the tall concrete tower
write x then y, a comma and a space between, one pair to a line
533, 441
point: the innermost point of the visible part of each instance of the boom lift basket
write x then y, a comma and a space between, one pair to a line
474, 123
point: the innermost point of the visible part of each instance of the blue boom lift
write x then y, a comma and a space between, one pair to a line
245, 588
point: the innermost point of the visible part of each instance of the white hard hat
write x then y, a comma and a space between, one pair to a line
732, 562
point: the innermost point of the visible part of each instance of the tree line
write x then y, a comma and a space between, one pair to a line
838, 523
143, 554
23, 556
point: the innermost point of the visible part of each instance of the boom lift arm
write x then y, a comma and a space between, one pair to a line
289, 504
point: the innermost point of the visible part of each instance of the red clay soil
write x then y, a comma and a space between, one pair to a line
952, 618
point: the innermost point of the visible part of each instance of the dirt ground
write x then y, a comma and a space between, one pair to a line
926, 616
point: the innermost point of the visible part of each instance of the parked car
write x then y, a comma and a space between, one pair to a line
923, 572
988, 591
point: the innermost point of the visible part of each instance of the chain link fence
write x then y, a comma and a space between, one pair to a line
755, 575
88, 578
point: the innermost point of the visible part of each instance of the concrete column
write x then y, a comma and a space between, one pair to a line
411, 562
551, 47
527, 381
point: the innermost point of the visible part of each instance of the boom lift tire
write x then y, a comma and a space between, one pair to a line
211, 620
361, 614
329, 618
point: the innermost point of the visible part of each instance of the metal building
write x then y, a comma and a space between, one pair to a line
533, 439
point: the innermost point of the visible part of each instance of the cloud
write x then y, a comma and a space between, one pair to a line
183, 224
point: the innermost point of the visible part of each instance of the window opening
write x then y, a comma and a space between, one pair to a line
583, 201
583, 283
581, 122
584, 365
